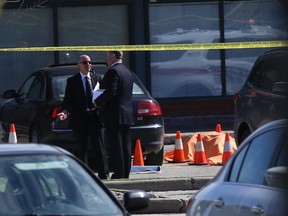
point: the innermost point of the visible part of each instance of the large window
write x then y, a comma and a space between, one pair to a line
29, 27
184, 73
77, 26
92, 26
247, 21
196, 73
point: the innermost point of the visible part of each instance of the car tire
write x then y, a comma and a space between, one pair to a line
34, 136
243, 136
155, 159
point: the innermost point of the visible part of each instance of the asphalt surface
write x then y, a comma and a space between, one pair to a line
169, 186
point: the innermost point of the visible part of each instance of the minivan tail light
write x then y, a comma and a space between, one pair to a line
55, 112
149, 108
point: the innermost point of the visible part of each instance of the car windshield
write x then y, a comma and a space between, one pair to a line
50, 185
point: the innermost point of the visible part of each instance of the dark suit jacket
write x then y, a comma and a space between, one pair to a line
75, 101
116, 101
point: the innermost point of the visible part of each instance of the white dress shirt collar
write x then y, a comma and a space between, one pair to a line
83, 75
117, 62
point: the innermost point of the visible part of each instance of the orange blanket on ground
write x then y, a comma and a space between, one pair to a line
213, 143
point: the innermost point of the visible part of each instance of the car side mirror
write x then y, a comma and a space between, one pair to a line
9, 94
277, 176
136, 200
280, 88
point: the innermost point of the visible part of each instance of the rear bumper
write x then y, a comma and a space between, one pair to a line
151, 137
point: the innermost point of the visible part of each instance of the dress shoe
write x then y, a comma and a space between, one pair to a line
117, 176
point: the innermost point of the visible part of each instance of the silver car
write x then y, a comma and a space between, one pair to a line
37, 179
254, 181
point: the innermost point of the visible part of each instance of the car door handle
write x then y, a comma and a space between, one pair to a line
218, 203
257, 210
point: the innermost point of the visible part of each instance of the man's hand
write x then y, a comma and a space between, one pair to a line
62, 115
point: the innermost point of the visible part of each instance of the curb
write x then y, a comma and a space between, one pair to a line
159, 184
159, 204
162, 206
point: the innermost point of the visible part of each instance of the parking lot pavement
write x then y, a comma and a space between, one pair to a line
170, 186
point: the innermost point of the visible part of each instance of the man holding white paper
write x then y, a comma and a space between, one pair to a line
97, 92
116, 113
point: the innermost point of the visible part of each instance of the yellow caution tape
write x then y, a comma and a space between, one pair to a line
155, 47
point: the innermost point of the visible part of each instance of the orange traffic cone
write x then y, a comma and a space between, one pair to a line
138, 156
228, 150
218, 128
178, 156
12, 134
200, 157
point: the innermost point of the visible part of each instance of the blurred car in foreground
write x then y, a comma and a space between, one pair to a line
264, 96
38, 179
33, 110
254, 181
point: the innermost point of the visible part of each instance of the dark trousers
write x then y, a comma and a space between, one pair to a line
91, 130
119, 143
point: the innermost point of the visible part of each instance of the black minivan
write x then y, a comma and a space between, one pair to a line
264, 96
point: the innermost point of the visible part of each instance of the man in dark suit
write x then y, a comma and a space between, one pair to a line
83, 115
116, 113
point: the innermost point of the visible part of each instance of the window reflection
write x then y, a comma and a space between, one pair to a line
92, 25
24, 28
199, 72
185, 73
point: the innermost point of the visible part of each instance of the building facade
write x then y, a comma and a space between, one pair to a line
194, 87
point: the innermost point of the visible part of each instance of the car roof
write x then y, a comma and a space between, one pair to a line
31, 149
70, 69
283, 50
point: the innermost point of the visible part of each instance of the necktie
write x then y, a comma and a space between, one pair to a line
88, 93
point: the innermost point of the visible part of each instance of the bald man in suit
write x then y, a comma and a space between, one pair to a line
83, 115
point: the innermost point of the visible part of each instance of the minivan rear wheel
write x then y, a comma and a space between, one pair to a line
245, 133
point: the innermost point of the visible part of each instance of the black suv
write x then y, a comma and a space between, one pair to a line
33, 110
264, 96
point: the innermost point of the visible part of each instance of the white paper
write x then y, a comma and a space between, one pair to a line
96, 86
97, 93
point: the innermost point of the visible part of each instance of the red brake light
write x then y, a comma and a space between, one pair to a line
55, 112
149, 108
